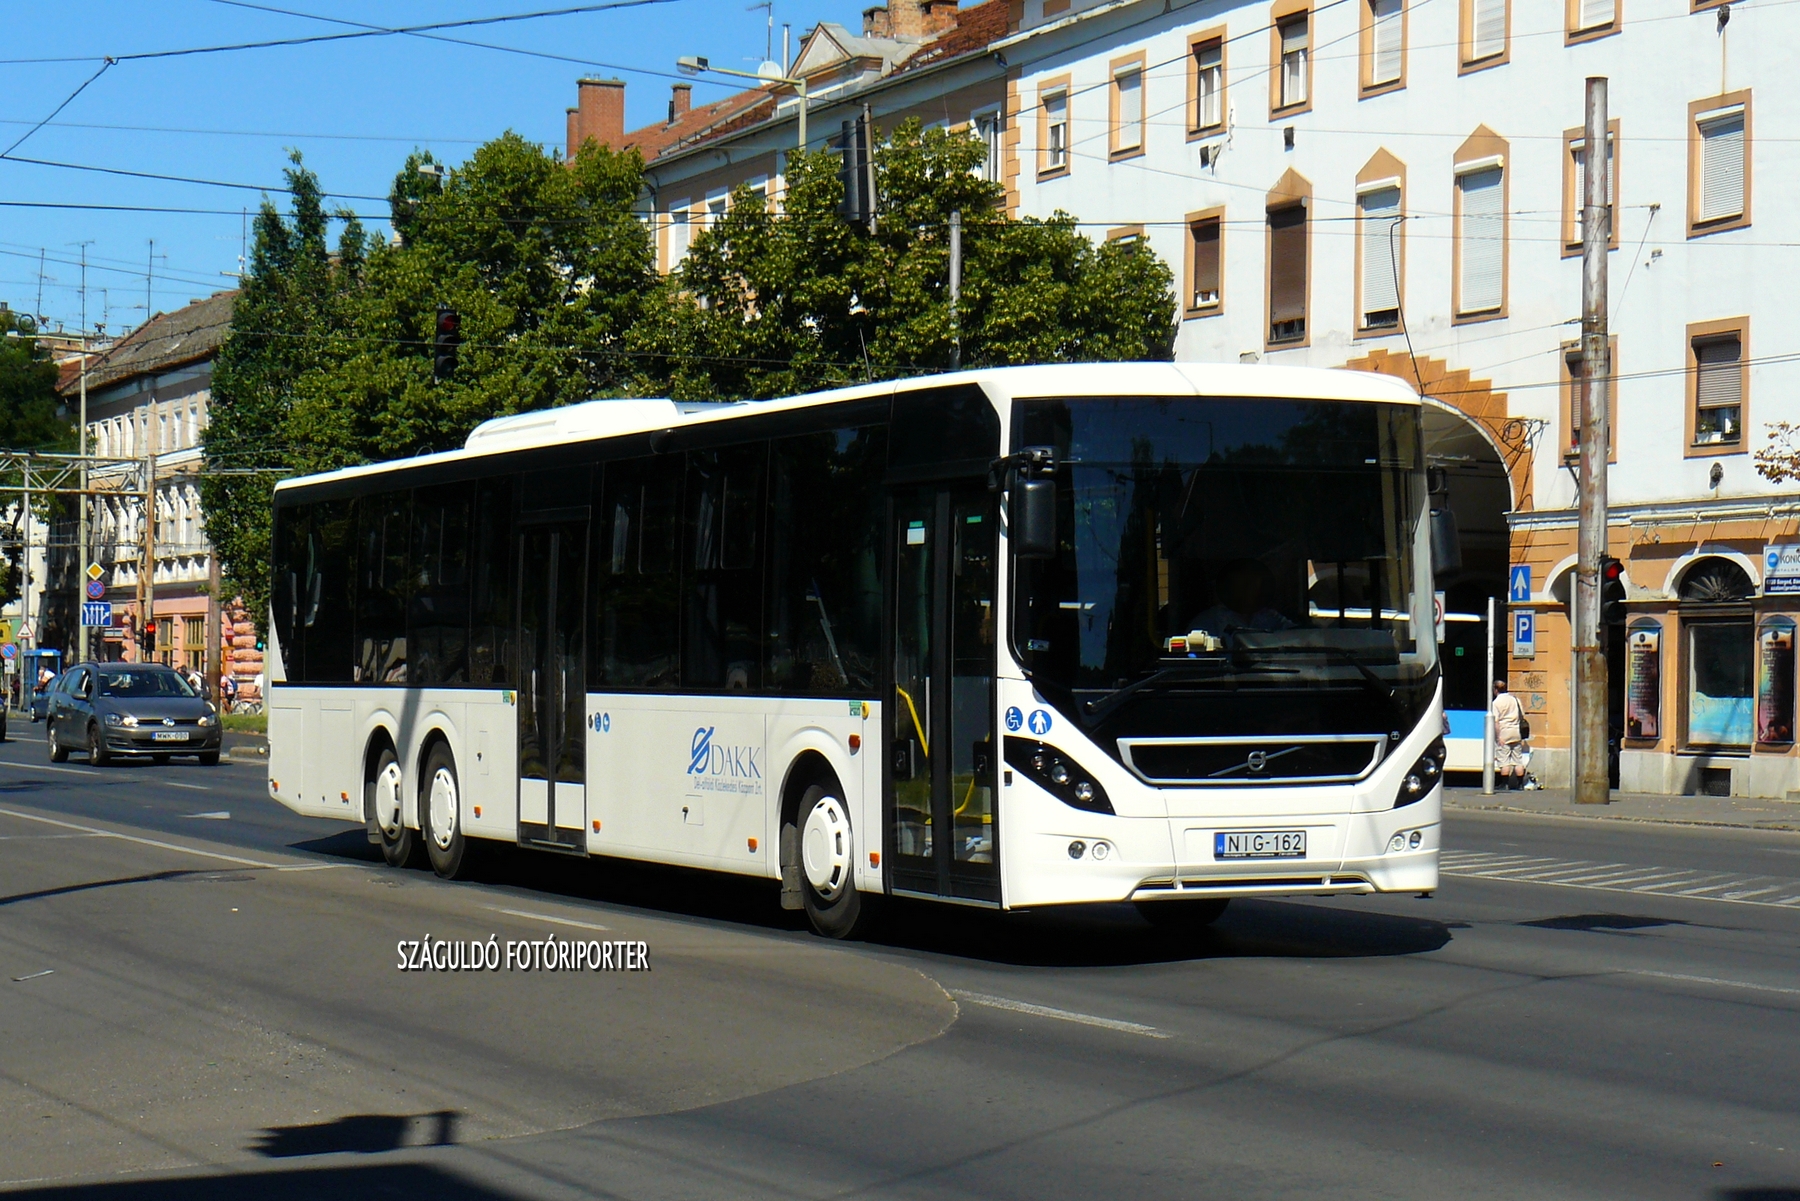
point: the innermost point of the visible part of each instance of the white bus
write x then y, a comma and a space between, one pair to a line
1158, 633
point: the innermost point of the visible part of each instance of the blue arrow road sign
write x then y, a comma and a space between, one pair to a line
1518, 584
96, 613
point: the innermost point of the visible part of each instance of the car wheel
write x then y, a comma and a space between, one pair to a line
159, 758
828, 863
1183, 916
97, 756
209, 758
399, 843
58, 752
440, 815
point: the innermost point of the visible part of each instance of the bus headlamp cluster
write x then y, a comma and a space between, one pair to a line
1422, 776
1405, 840
1058, 774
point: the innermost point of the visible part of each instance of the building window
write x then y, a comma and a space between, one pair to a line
1206, 82
716, 208
1287, 274
1291, 85
1575, 187
1719, 164
1586, 19
1378, 234
680, 234
1128, 106
1053, 130
1480, 239
1482, 39
988, 127
1206, 263
1720, 676
1572, 374
1716, 397
1383, 46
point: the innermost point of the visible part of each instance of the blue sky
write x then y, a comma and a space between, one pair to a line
353, 108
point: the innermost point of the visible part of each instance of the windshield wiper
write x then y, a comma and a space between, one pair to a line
1098, 709
1374, 682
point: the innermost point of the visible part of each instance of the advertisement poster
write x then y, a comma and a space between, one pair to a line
1775, 681
1643, 679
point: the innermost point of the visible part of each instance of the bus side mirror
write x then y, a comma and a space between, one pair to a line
1032, 516
1446, 543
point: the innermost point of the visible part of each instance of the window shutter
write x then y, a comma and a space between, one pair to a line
1722, 167
1287, 265
1490, 27
1131, 108
1206, 264
1385, 40
1483, 240
1721, 382
1380, 290
1596, 13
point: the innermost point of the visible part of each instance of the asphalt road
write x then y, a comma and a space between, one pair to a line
198, 1005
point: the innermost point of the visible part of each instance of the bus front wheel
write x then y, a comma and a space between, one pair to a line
440, 815
828, 864
1179, 916
399, 845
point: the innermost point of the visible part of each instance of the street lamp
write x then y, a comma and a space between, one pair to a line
769, 72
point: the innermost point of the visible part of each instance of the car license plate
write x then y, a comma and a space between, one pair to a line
169, 736
1260, 844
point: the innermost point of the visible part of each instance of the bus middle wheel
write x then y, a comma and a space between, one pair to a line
399, 844
828, 864
440, 815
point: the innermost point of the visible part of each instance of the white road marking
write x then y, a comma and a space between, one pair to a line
179, 784
72, 771
219, 815
1794, 992
1691, 883
148, 842
545, 917
49, 971
1060, 1015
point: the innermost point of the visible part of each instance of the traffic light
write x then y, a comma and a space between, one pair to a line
1612, 591
149, 637
445, 338
856, 173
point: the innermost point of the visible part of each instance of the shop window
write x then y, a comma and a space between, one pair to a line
1721, 673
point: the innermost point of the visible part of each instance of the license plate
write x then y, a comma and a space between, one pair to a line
169, 736
1260, 844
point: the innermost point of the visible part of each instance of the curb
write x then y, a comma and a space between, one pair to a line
1697, 823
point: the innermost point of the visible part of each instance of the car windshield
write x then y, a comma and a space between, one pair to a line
1209, 544
126, 682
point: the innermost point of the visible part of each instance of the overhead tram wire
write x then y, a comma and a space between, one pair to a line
105, 66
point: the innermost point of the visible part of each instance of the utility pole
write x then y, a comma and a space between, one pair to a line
955, 289
81, 538
147, 572
1590, 726
215, 634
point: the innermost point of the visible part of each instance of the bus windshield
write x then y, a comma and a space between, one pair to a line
1231, 552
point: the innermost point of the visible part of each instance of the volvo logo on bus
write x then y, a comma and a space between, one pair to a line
715, 766
1257, 760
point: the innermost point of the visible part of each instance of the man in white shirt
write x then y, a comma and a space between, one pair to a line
1509, 737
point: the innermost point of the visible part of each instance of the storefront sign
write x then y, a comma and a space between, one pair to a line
1775, 681
1781, 571
1643, 679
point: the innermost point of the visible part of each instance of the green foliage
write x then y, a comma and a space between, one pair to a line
767, 304
28, 420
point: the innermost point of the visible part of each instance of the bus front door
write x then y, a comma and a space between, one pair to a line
553, 685
942, 832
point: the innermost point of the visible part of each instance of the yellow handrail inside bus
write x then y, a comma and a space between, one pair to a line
917, 728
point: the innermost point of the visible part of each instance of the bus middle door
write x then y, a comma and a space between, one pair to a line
553, 684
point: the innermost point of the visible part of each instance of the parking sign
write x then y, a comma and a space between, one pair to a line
1524, 635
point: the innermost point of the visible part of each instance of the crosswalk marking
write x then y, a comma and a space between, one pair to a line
1772, 891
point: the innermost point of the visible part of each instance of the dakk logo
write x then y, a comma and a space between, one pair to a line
720, 767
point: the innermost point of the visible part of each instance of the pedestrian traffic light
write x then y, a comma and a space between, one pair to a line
446, 337
1612, 591
149, 637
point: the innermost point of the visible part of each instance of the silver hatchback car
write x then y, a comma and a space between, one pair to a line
116, 710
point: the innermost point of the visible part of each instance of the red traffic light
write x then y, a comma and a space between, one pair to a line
149, 627
1613, 570
449, 323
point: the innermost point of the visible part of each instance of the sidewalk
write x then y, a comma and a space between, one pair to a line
1744, 812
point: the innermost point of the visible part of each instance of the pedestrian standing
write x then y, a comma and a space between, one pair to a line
1509, 737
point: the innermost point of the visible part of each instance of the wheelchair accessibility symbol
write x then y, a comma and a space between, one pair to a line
1040, 721
1014, 718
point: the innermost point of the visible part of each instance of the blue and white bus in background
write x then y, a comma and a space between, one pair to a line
1153, 633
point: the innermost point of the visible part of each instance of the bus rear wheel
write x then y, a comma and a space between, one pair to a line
440, 815
828, 864
1183, 916
399, 844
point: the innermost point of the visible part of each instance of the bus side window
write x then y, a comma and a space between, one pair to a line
382, 588
491, 583
438, 614
292, 526
330, 655
722, 568
637, 588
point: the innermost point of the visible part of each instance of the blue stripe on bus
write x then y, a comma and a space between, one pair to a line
1465, 723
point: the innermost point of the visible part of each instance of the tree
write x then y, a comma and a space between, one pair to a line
28, 421
1778, 461
771, 303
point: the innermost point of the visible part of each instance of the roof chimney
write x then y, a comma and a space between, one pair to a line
939, 16
599, 114
681, 98
918, 18
876, 22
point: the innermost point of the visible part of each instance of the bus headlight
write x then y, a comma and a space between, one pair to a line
1058, 774
1422, 776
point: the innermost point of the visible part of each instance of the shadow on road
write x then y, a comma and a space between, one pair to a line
350, 1182
361, 1134
1595, 922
